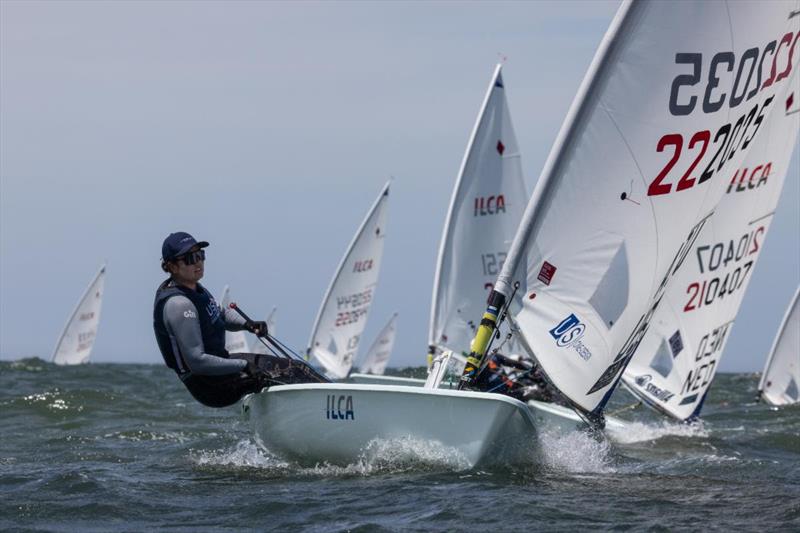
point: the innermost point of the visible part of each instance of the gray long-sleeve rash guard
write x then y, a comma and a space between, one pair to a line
180, 317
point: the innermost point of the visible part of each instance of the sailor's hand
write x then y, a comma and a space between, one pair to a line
257, 327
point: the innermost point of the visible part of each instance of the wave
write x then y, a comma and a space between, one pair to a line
380, 456
633, 432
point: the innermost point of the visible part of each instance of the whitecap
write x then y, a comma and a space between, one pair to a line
633, 432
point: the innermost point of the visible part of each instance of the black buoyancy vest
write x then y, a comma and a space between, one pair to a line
212, 323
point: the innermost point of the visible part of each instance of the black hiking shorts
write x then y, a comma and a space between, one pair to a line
262, 371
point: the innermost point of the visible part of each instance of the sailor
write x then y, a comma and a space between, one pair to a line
190, 331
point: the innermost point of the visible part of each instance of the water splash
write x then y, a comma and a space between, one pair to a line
244, 454
575, 452
409, 453
380, 456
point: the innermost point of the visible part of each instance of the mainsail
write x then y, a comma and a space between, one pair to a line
260, 347
680, 354
343, 314
235, 341
485, 210
381, 350
74, 346
672, 102
780, 382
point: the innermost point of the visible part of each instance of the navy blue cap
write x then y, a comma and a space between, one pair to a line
178, 243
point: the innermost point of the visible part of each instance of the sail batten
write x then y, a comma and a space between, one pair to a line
342, 315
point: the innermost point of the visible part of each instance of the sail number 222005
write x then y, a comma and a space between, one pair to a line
777, 56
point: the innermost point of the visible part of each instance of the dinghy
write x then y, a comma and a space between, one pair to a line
660, 124
780, 380
681, 352
75, 344
401, 407
235, 341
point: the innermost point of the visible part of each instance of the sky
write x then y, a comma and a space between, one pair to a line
268, 129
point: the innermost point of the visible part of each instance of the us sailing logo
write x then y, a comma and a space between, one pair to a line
569, 333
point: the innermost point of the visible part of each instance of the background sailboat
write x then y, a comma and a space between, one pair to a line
780, 381
75, 344
636, 171
377, 357
343, 313
486, 207
235, 341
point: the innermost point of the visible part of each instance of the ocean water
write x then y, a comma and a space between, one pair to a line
124, 447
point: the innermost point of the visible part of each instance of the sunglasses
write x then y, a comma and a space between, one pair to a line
192, 257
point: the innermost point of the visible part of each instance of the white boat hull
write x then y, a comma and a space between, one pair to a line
336, 423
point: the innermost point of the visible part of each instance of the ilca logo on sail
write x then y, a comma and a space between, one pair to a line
568, 333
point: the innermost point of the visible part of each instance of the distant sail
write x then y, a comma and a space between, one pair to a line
75, 344
780, 382
343, 314
660, 123
378, 355
680, 354
235, 341
485, 210
258, 346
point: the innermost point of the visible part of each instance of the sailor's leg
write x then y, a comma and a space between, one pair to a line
221, 391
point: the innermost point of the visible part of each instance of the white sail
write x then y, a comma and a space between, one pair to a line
780, 381
485, 210
258, 346
381, 350
74, 346
644, 156
680, 354
343, 314
235, 341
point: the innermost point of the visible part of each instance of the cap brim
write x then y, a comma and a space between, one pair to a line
201, 244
